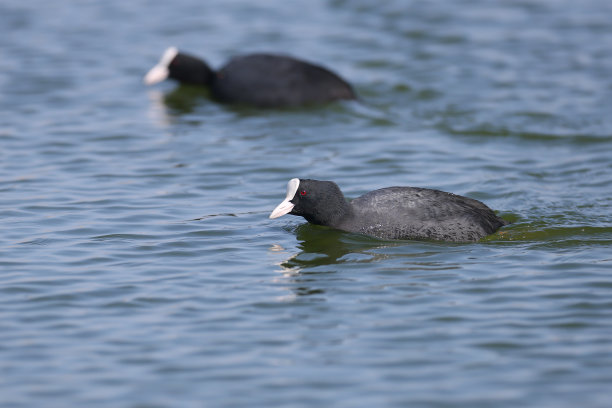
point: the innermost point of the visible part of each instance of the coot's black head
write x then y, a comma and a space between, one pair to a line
181, 67
320, 202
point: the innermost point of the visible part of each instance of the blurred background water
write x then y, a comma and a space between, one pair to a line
138, 266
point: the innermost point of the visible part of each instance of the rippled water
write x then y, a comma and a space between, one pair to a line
139, 266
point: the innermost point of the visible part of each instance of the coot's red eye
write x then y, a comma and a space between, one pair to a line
303, 193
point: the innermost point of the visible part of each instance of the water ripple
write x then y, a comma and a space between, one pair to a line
138, 266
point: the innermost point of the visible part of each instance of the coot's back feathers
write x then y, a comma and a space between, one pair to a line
399, 212
277, 80
392, 212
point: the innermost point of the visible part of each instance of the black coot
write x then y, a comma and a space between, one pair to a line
261, 80
391, 213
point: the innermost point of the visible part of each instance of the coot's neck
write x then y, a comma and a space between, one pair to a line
192, 70
335, 212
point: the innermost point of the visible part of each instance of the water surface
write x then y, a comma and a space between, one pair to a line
139, 266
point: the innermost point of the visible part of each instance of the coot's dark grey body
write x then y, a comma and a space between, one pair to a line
391, 213
262, 80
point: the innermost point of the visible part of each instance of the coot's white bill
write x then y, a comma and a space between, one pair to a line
286, 206
160, 71
157, 74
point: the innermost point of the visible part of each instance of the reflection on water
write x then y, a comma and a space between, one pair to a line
323, 246
184, 98
326, 246
181, 100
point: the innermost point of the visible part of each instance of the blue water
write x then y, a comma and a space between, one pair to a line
138, 266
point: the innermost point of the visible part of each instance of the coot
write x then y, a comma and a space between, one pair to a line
261, 80
392, 212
